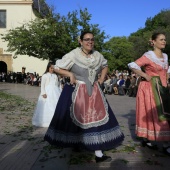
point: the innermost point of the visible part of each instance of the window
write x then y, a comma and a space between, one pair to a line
2, 18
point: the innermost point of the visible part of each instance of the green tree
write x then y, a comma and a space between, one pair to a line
53, 36
140, 45
119, 52
140, 39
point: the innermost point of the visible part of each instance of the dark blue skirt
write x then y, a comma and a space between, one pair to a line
62, 131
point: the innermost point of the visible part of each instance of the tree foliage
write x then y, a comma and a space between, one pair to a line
159, 23
52, 37
121, 50
118, 51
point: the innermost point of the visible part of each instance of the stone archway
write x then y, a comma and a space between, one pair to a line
5, 62
3, 67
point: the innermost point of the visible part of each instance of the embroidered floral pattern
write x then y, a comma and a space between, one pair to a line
152, 133
91, 116
87, 138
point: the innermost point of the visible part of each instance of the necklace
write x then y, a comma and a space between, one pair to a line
86, 53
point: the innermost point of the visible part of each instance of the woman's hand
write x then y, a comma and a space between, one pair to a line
147, 77
44, 96
72, 79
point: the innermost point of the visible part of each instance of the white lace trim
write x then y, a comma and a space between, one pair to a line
152, 133
133, 65
91, 138
152, 56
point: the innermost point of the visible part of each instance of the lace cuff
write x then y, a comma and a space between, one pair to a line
133, 65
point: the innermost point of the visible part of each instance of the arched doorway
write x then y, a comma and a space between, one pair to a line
3, 67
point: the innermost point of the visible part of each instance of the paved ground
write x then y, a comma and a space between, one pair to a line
22, 146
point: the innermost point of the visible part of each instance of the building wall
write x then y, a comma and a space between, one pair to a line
19, 12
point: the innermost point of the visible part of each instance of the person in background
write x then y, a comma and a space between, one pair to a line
152, 124
113, 82
83, 117
132, 87
47, 101
127, 84
107, 83
119, 88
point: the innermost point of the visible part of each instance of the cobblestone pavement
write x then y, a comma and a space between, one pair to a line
22, 146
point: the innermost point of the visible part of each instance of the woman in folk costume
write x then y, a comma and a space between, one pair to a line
48, 98
83, 117
152, 107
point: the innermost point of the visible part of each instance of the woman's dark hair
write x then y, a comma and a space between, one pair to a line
121, 75
84, 33
48, 66
155, 35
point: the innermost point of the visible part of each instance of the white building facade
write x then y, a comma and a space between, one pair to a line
14, 13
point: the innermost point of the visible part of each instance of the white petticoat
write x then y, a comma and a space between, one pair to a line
45, 108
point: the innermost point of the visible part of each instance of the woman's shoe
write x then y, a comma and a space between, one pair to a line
166, 150
149, 145
104, 158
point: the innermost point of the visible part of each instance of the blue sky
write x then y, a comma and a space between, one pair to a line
115, 17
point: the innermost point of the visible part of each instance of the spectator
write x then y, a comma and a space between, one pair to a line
113, 83
132, 86
127, 84
119, 88
107, 83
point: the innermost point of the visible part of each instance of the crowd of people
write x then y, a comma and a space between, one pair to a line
117, 82
121, 83
32, 79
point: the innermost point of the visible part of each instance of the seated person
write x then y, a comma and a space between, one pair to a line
119, 88
127, 84
134, 86
34, 82
107, 83
113, 82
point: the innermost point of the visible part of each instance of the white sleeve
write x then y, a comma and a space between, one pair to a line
104, 62
64, 63
43, 81
133, 65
